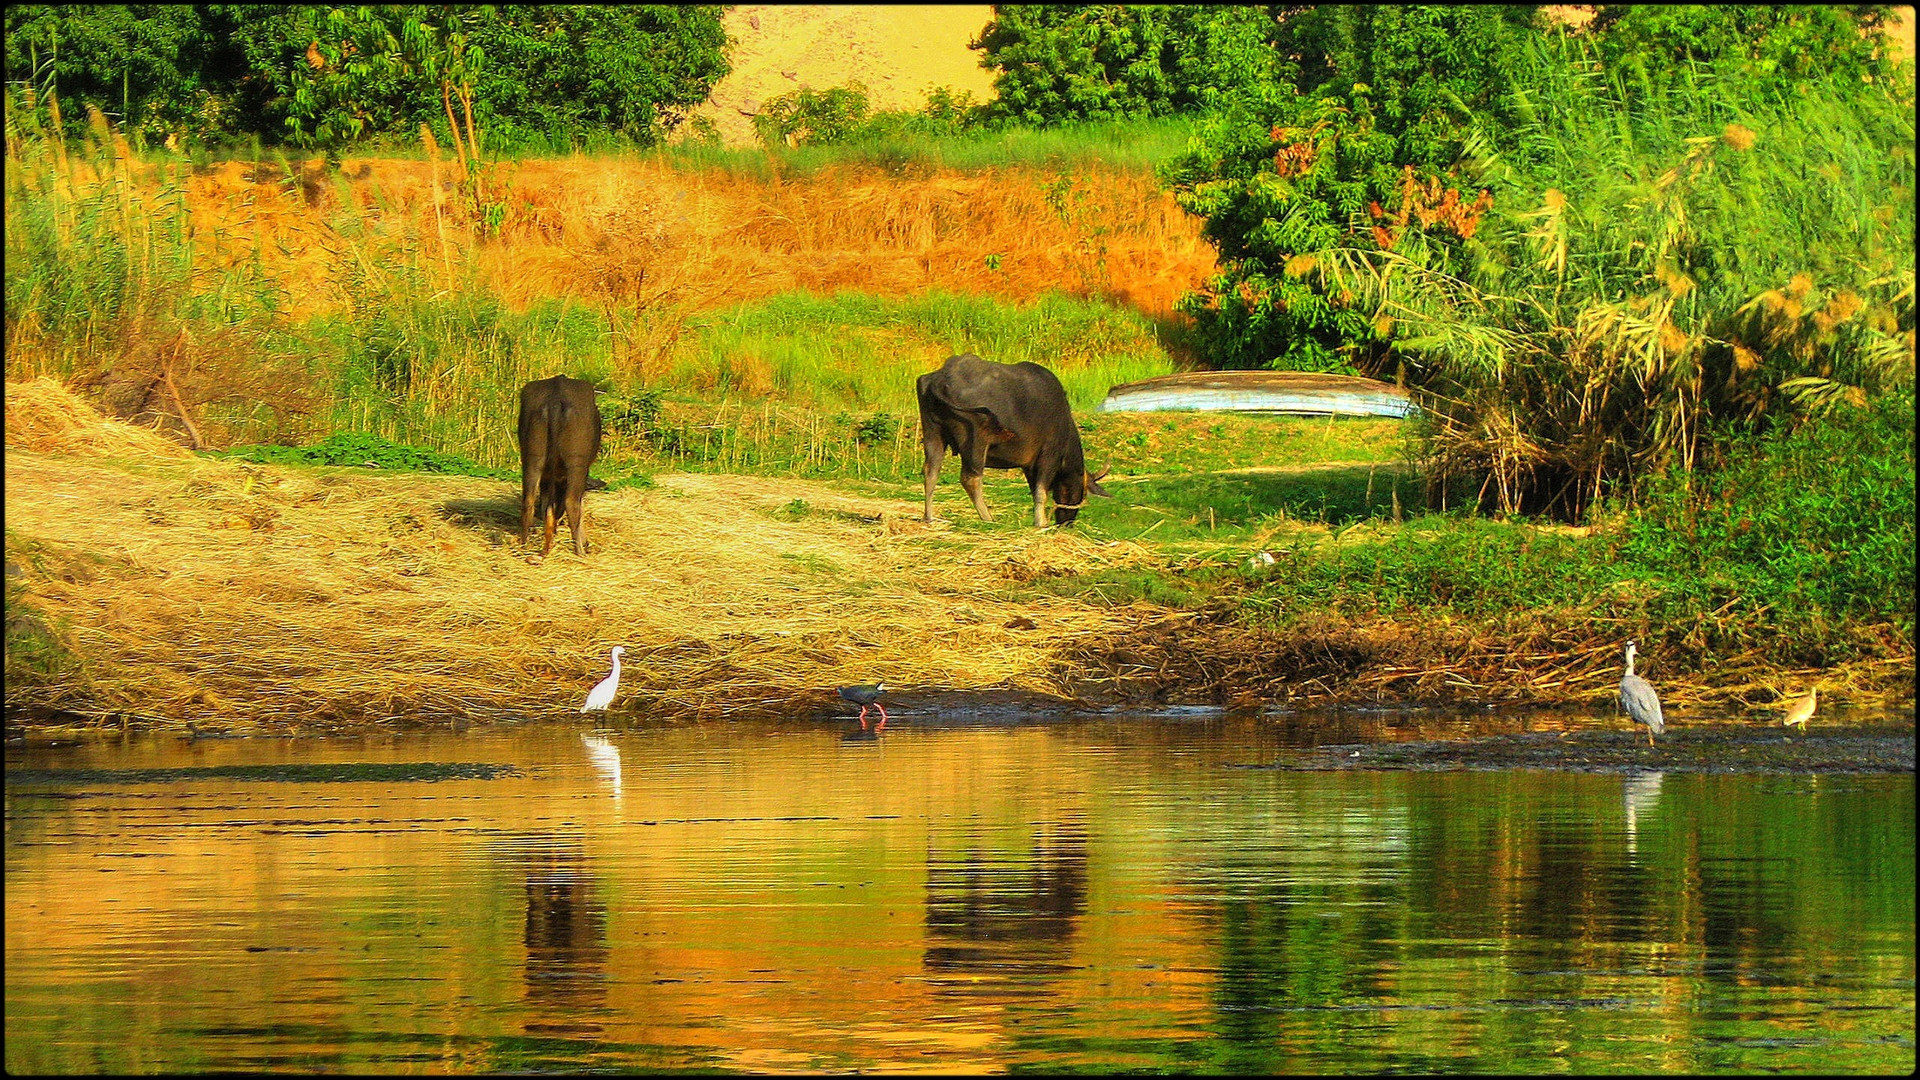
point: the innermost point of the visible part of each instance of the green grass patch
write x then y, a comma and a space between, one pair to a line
639, 481
372, 451
861, 352
1796, 550
813, 564
1128, 144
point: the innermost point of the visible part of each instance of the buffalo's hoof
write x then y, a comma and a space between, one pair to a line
536, 560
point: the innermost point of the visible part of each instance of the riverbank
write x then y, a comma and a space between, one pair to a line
150, 585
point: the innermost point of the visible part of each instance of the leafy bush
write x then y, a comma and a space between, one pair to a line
841, 115
1786, 44
1365, 142
1060, 62
809, 117
636, 415
1661, 262
1813, 518
632, 414
361, 448
878, 428
1587, 271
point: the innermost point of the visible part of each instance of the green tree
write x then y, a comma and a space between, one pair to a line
1362, 147
330, 76
140, 64
1786, 43
559, 73
1061, 62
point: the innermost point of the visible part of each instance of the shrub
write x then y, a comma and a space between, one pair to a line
1815, 518
1061, 62
1366, 141
365, 449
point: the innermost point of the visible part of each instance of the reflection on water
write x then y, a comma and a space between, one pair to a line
1641, 791
999, 921
566, 939
606, 760
1120, 894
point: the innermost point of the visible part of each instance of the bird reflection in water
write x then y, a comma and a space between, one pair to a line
1002, 923
605, 758
1642, 790
566, 939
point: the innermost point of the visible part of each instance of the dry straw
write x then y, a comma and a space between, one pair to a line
249, 596
630, 231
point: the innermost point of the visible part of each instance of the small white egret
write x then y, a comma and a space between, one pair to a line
602, 696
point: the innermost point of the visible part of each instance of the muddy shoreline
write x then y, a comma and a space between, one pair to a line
1407, 737
1721, 748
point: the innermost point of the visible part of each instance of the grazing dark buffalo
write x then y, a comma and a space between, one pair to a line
559, 438
1008, 416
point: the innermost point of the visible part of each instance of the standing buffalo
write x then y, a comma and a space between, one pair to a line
1009, 416
559, 438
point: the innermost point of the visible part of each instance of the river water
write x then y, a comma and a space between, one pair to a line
1117, 893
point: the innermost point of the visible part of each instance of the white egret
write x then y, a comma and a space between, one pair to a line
602, 696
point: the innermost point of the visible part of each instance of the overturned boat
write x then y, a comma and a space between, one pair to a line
1294, 392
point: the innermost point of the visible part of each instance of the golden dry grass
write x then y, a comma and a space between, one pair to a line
896, 51
234, 594
44, 416
634, 231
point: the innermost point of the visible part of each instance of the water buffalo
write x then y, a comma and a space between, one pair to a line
1008, 416
559, 438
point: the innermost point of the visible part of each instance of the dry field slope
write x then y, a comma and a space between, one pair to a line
234, 594
632, 232
896, 50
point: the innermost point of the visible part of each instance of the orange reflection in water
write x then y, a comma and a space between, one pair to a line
1119, 893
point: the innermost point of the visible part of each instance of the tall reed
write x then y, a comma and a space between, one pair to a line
110, 284
1664, 262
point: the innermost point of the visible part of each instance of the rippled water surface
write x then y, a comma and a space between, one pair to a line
1127, 893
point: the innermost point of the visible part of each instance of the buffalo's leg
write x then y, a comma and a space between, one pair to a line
576, 505
936, 453
1039, 506
533, 456
971, 481
529, 500
547, 501
973, 463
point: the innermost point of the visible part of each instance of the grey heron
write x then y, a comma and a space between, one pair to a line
1639, 700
